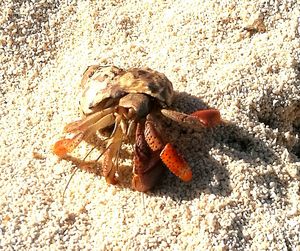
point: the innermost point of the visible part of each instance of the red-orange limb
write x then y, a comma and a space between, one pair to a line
176, 163
64, 146
152, 136
209, 117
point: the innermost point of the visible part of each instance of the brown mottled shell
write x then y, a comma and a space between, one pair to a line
106, 84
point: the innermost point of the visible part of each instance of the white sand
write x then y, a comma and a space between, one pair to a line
245, 190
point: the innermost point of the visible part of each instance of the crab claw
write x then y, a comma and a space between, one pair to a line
148, 167
176, 163
64, 146
147, 171
209, 117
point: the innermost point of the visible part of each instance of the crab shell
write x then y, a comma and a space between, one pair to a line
105, 85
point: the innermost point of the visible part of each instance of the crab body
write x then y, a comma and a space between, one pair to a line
126, 105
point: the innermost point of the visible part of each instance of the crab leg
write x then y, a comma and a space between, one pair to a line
106, 121
82, 124
201, 118
114, 145
64, 146
176, 163
108, 167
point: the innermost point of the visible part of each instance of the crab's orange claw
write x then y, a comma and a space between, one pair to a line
176, 163
60, 147
64, 146
209, 117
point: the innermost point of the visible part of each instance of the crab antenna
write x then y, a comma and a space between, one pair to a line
66, 187
76, 169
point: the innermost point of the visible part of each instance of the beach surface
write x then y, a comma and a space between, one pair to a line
241, 57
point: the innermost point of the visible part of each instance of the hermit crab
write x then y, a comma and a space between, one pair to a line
124, 106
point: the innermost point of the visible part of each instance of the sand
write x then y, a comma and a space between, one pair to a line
242, 58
